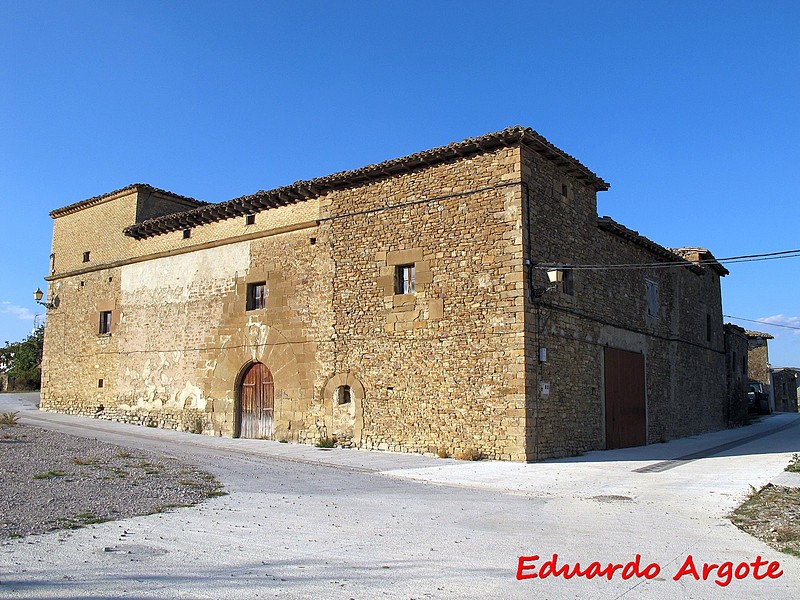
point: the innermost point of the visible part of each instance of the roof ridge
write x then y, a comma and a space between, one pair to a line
70, 208
306, 189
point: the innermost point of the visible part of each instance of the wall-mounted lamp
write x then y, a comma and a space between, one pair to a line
38, 294
555, 275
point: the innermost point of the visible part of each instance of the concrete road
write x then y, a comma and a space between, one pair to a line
302, 522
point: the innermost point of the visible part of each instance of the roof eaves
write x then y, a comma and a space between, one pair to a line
610, 225
304, 190
76, 206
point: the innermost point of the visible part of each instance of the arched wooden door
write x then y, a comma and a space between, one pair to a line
257, 403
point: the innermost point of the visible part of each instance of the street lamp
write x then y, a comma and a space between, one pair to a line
555, 275
38, 294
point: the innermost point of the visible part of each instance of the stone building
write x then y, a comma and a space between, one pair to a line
402, 306
786, 384
736, 362
758, 367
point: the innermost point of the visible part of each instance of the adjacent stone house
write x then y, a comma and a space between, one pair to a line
736, 349
786, 383
758, 367
403, 306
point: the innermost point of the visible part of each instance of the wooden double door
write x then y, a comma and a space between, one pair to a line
256, 403
626, 416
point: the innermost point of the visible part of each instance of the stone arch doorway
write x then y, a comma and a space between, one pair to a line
343, 398
255, 413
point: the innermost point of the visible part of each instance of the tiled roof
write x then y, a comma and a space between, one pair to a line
704, 255
757, 334
59, 212
304, 190
610, 225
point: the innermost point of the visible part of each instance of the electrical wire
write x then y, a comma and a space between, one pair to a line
672, 264
762, 322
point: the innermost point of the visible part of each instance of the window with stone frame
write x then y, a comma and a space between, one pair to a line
405, 279
105, 322
652, 298
256, 295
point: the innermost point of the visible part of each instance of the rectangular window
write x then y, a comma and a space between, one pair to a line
256, 295
404, 280
105, 321
99, 383
652, 298
187, 233
86, 256
250, 219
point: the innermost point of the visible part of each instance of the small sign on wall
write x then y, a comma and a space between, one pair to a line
545, 388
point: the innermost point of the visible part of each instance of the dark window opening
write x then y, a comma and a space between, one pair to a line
187, 233
568, 282
564, 190
86, 256
404, 280
652, 298
343, 395
312, 241
99, 383
256, 295
105, 321
250, 219
83, 283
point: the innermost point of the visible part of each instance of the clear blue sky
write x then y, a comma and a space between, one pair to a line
690, 109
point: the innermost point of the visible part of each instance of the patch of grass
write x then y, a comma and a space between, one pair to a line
326, 442
49, 475
442, 453
196, 426
772, 514
794, 464
84, 462
470, 454
124, 454
9, 418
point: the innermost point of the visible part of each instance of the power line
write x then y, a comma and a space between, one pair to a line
671, 264
762, 322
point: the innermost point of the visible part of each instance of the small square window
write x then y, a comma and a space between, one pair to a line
250, 219
256, 295
105, 321
404, 280
86, 256
187, 233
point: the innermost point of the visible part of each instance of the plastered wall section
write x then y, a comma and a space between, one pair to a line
684, 372
181, 333
182, 336
442, 369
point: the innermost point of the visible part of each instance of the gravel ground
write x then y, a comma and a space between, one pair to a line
50, 481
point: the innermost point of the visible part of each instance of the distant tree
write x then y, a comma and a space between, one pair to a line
21, 362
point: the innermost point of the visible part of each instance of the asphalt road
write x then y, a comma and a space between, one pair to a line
302, 522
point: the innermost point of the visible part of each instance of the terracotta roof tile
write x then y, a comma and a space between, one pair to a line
304, 190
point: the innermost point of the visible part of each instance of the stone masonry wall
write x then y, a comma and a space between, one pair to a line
442, 369
684, 371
